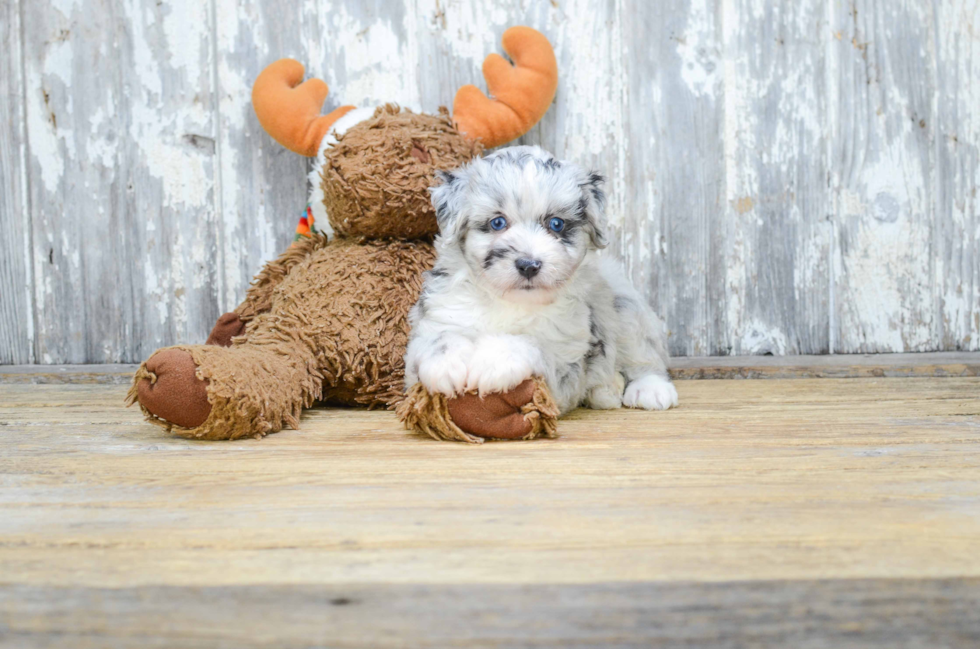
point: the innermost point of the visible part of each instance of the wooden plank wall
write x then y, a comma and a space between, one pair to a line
786, 176
16, 308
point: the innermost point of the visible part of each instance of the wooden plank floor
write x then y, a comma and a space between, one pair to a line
796, 513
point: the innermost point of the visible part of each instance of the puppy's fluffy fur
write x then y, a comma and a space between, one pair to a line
481, 323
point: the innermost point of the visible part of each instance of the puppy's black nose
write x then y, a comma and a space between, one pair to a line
528, 267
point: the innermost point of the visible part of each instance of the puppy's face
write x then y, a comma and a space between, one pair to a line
522, 220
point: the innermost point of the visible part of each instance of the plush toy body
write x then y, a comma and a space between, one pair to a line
328, 320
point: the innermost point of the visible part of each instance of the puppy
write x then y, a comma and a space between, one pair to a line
517, 291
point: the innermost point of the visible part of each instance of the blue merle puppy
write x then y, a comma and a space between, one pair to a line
518, 291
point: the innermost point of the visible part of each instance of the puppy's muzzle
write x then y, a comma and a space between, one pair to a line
528, 267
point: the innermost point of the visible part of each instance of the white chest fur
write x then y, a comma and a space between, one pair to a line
563, 326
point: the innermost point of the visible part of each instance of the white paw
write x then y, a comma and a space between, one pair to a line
604, 397
650, 392
445, 372
500, 363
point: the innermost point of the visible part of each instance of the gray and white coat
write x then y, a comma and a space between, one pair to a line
518, 291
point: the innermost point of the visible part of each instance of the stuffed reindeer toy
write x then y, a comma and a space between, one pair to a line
328, 320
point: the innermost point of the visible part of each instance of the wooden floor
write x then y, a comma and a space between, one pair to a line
791, 513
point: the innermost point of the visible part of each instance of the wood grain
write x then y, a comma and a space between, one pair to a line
878, 614
120, 121
16, 309
812, 512
957, 139
675, 165
775, 233
262, 186
784, 177
884, 150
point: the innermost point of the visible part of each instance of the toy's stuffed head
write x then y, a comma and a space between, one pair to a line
374, 178
374, 166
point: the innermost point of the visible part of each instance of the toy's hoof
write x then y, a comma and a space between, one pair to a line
227, 327
526, 412
495, 416
177, 396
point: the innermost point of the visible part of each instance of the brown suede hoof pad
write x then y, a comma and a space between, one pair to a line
525, 412
177, 396
494, 416
227, 327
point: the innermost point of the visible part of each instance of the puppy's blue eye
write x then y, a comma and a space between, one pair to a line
556, 224
498, 223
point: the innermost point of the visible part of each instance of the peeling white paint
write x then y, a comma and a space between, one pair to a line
45, 147
186, 181
17, 333
144, 60
374, 59
885, 261
876, 289
697, 48
59, 61
761, 338
65, 7
184, 46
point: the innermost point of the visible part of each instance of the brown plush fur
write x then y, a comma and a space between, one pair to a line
376, 178
336, 329
258, 298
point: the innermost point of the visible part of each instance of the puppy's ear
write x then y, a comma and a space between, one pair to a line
447, 199
594, 206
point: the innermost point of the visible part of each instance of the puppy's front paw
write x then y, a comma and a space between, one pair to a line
498, 365
604, 397
446, 371
607, 397
650, 392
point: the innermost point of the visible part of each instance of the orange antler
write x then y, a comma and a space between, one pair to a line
521, 93
289, 111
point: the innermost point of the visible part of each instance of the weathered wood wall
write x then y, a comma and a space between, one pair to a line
787, 176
